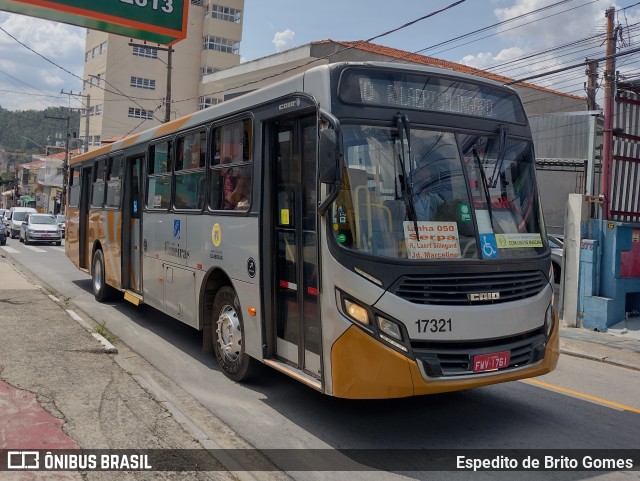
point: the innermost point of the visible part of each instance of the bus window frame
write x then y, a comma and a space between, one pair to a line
169, 173
108, 181
95, 180
174, 191
73, 187
212, 166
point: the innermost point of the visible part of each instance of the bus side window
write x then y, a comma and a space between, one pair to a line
190, 185
231, 167
160, 160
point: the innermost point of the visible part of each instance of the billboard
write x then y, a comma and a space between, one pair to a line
161, 21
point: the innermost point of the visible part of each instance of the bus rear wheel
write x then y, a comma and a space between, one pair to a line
101, 291
228, 336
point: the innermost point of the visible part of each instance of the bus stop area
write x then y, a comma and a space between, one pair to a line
61, 388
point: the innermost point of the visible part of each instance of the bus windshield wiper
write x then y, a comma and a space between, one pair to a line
502, 153
485, 187
404, 133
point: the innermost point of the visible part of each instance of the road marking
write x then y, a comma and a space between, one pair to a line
10, 250
577, 394
35, 249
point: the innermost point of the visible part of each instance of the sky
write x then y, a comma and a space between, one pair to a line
27, 81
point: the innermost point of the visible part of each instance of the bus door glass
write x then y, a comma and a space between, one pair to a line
131, 217
296, 262
83, 234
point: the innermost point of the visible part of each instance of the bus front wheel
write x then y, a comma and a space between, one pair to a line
228, 336
101, 291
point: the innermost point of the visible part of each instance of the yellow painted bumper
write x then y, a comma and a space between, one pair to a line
364, 368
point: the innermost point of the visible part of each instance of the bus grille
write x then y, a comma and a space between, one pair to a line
455, 289
448, 360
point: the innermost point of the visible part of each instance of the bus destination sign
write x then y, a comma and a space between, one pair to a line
161, 21
428, 92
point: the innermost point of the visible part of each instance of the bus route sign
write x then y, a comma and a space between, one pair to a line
161, 21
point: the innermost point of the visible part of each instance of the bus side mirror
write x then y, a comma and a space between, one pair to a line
328, 159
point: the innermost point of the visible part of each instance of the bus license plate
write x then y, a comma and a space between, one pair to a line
491, 362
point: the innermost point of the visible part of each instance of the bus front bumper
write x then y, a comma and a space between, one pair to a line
364, 368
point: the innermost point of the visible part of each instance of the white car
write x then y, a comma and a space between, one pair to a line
14, 219
40, 228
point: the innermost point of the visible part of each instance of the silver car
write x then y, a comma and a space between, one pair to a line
556, 243
40, 228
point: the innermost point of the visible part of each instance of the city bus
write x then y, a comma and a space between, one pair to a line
372, 230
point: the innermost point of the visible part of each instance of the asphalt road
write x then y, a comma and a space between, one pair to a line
582, 405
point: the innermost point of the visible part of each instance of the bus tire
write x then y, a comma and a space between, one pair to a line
228, 336
101, 291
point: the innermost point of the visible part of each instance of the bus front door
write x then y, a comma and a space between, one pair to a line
131, 251
297, 310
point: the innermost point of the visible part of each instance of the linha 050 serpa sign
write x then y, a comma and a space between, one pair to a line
161, 21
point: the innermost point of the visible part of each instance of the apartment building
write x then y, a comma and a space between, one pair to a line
125, 80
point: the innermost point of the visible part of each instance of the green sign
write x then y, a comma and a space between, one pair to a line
161, 21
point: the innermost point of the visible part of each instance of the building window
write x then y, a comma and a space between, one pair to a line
148, 52
91, 111
137, 113
87, 56
103, 47
221, 44
97, 79
143, 83
96, 140
204, 102
98, 110
207, 70
224, 13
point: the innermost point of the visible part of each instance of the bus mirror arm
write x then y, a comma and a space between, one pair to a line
324, 205
329, 156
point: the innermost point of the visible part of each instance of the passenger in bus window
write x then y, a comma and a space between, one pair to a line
229, 185
240, 196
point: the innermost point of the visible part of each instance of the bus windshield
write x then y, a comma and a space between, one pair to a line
471, 196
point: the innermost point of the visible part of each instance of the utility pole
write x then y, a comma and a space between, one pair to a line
169, 50
609, 92
592, 83
65, 162
86, 112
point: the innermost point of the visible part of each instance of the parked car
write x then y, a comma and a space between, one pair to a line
556, 244
15, 218
62, 223
3, 233
40, 228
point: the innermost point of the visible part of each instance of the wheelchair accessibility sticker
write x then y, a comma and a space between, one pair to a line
489, 246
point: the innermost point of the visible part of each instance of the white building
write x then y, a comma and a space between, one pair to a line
125, 80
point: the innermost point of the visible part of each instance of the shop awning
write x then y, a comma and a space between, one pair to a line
26, 198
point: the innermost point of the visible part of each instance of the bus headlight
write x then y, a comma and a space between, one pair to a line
389, 328
357, 312
391, 333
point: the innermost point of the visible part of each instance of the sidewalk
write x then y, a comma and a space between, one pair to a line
60, 388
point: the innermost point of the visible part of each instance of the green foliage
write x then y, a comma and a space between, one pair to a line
24, 130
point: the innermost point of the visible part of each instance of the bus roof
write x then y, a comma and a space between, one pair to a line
262, 95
